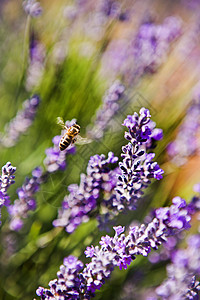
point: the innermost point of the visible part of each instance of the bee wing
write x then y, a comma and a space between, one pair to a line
81, 141
60, 122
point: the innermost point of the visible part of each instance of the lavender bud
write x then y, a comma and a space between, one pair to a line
32, 8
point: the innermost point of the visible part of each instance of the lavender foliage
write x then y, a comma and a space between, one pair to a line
20, 124
120, 251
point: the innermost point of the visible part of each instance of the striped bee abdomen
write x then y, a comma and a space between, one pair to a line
69, 137
77, 127
65, 142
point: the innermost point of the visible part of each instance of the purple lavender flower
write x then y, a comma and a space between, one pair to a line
119, 250
186, 143
115, 58
196, 188
82, 199
32, 8
137, 167
20, 124
68, 283
152, 42
119, 188
6, 179
109, 108
37, 54
193, 289
142, 54
26, 201
168, 248
55, 159
192, 5
181, 283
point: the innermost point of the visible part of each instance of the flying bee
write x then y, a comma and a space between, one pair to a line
71, 135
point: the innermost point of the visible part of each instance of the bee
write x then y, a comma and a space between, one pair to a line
71, 135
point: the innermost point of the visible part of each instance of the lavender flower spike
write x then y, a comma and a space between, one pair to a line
25, 201
187, 143
181, 283
119, 188
82, 198
32, 8
21, 122
6, 179
67, 281
137, 167
37, 54
108, 109
152, 44
119, 250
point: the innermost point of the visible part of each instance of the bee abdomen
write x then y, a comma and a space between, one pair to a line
64, 143
77, 127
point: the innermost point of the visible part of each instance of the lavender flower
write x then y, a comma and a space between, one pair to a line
26, 201
20, 124
119, 250
109, 108
196, 188
186, 143
55, 159
142, 54
36, 63
152, 42
115, 58
6, 179
168, 249
192, 5
113, 9
193, 290
67, 283
32, 8
119, 188
137, 166
82, 199
181, 283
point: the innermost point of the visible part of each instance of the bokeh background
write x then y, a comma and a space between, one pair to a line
80, 48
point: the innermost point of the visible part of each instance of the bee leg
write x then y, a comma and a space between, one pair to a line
74, 140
